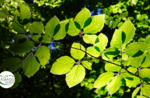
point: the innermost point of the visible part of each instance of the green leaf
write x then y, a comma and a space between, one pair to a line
43, 55
147, 40
17, 26
72, 29
103, 40
18, 79
115, 84
77, 51
92, 52
12, 64
117, 39
87, 65
20, 48
135, 91
141, 97
145, 74
145, 62
82, 16
3, 13
131, 81
132, 69
103, 79
75, 75
50, 26
89, 39
31, 66
136, 49
36, 38
136, 61
36, 28
96, 25
62, 32
45, 39
112, 67
145, 89
128, 29
24, 12
1, 1
111, 52
62, 65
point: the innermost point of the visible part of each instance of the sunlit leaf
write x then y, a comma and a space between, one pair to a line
82, 16
145, 74
87, 65
128, 29
72, 29
31, 66
62, 32
102, 43
136, 49
24, 12
135, 91
43, 54
75, 75
145, 89
89, 39
117, 39
145, 62
62, 65
92, 52
112, 67
103, 79
96, 25
131, 81
77, 51
50, 26
115, 84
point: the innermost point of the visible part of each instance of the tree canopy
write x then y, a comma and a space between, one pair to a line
76, 48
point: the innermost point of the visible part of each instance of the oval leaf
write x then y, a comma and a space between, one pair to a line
103, 79
102, 43
62, 65
93, 51
75, 75
77, 51
128, 30
87, 65
135, 92
36, 27
89, 39
115, 84
72, 29
96, 24
43, 55
31, 66
50, 26
136, 49
62, 31
82, 16
24, 12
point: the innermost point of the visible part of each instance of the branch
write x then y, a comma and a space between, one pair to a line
115, 64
